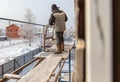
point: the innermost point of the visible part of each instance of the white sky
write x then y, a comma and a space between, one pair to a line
15, 9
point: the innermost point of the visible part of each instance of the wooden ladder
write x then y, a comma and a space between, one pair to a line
46, 33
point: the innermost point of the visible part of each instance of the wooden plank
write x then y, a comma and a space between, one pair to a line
53, 78
11, 76
22, 67
53, 48
12, 80
38, 61
46, 54
43, 71
59, 71
42, 55
19, 69
64, 55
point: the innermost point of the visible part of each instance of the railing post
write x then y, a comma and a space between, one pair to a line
14, 65
69, 65
2, 71
44, 38
9, 35
60, 73
24, 59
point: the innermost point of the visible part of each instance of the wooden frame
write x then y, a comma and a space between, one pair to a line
116, 40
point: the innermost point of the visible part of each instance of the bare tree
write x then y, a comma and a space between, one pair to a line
29, 30
2, 32
23, 33
29, 16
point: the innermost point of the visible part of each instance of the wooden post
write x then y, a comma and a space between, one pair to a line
79, 52
116, 40
79, 61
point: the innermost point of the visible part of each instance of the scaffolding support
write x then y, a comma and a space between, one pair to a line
69, 69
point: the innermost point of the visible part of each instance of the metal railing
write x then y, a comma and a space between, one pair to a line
21, 24
17, 62
23, 59
9, 20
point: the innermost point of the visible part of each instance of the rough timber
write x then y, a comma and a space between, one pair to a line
11, 76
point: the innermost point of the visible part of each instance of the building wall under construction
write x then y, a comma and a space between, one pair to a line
98, 40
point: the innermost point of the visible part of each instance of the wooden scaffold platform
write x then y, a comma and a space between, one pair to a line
47, 70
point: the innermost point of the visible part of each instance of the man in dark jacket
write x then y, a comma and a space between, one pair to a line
58, 18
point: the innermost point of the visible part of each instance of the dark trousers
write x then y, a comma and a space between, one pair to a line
59, 38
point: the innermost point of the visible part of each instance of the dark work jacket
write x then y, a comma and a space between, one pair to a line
58, 18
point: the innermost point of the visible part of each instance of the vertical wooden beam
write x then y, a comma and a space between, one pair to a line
79, 9
79, 62
116, 40
79, 53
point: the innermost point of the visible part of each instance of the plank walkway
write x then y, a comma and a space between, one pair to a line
46, 69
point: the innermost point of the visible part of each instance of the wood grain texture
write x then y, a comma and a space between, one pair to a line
43, 71
11, 76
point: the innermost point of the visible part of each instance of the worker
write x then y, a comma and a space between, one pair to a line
58, 18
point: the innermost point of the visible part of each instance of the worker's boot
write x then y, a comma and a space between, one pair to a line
62, 46
59, 50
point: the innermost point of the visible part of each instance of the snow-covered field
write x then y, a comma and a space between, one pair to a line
16, 48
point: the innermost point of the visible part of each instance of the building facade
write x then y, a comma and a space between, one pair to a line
12, 31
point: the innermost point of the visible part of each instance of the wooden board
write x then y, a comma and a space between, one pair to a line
12, 80
52, 49
11, 76
42, 55
43, 71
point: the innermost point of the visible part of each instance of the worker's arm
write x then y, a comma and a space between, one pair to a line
51, 20
66, 18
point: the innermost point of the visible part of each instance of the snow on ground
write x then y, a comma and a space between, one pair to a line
7, 43
17, 48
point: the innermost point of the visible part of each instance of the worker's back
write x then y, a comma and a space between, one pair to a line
59, 21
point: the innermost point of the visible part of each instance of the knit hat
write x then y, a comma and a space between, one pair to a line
54, 6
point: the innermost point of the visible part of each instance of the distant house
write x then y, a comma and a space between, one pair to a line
12, 31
